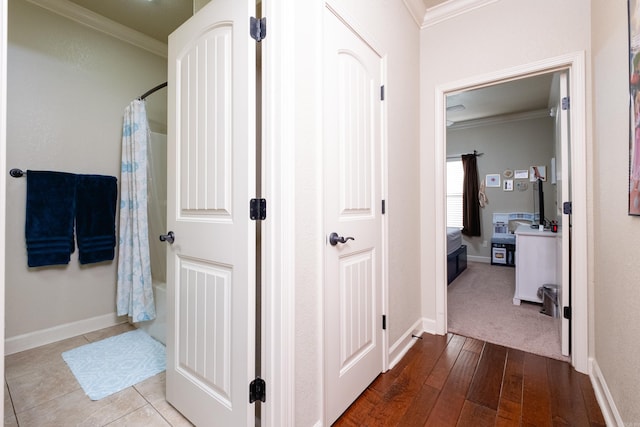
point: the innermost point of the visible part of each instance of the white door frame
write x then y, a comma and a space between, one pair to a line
278, 231
575, 64
3, 168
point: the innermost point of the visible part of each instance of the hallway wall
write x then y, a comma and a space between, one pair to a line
616, 329
68, 86
494, 37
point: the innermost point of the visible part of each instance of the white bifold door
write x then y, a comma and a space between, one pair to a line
211, 178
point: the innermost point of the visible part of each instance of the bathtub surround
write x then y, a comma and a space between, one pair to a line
134, 290
157, 213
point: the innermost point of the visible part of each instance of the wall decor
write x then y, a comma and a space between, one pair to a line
634, 94
536, 172
521, 174
508, 173
508, 185
492, 180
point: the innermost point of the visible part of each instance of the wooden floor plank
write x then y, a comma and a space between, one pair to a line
451, 400
509, 413
487, 382
510, 406
401, 394
419, 410
430, 387
476, 415
431, 345
474, 345
536, 404
593, 409
359, 413
441, 371
567, 403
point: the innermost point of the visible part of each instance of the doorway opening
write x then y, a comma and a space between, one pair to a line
513, 128
574, 66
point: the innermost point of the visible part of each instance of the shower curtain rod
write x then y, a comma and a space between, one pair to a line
150, 91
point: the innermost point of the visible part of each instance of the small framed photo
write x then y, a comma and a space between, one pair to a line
536, 172
492, 180
507, 185
521, 174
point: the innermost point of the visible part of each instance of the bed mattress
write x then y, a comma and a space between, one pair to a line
454, 239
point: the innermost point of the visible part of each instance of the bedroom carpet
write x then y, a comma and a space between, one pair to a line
480, 305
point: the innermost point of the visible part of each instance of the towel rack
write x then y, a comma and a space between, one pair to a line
16, 173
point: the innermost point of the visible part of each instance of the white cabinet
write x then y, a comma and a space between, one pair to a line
536, 262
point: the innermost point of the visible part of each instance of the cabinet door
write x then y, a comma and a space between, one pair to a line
535, 266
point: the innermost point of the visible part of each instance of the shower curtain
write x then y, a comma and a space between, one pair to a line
134, 290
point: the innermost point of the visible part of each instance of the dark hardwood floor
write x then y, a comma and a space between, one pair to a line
456, 381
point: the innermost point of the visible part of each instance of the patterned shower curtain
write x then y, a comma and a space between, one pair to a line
134, 291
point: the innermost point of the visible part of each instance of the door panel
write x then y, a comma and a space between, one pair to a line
211, 176
564, 184
353, 338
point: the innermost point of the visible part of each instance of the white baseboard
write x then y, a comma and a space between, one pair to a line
61, 332
603, 396
475, 258
402, 345
429, 326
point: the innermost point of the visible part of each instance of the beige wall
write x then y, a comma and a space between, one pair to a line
501, 35
67, 89
395, 33
508, 145
616, 299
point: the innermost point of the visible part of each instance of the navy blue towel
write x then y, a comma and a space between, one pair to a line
96, 197
49, 217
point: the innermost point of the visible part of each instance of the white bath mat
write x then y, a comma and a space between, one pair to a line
113, 364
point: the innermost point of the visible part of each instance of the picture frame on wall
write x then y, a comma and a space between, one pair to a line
536, 172
521, 174
634, 111
492, 180
508, 185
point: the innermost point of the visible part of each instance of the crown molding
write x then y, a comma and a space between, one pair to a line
417, 10
502, 118
99, 23
450, 9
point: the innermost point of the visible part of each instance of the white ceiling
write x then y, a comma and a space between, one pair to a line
431, 3
159, 18
155, 18
518, 96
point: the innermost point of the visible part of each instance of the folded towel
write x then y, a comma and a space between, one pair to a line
49, 217
96, 197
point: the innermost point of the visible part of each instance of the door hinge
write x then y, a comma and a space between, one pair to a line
384, 207
258, 28
566, 103
384, 322
382, 93
567, 208
257, 390
258, 209
566, 312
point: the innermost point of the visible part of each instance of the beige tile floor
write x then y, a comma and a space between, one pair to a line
40, 390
